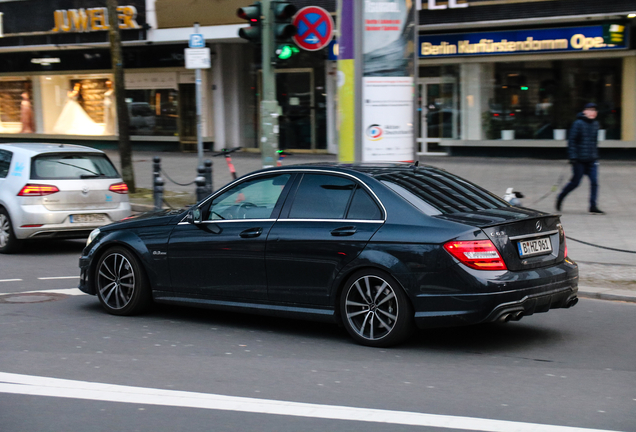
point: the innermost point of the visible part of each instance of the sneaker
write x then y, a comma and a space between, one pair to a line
596, 210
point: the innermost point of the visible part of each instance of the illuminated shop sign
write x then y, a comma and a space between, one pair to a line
571, 39
93, 19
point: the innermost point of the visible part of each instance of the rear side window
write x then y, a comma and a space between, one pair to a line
5, 162
363, 207
72, 166
435, 191
321, 196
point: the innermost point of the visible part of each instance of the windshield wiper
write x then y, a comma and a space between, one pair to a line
79, 167
86, 176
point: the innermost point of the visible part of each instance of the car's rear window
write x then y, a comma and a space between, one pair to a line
434, 191
72, 166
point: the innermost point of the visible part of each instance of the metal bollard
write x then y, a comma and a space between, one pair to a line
200, 182
208, 175
157, 192
156, 167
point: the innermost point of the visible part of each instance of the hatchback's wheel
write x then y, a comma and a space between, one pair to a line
8, 241
122, 286
375, 310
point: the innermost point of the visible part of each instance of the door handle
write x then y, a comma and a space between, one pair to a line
251, 233
344, 231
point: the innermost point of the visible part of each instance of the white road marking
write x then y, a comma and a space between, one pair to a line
66, 291
58, 277
10, 280
54, 387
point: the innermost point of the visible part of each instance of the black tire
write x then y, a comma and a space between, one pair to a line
121, 283
8, 241
375, 309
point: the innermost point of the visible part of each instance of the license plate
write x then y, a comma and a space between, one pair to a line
87, 218
534, 247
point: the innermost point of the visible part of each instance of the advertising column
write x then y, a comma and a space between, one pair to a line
387, 83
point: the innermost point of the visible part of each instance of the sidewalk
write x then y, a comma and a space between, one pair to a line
604, 273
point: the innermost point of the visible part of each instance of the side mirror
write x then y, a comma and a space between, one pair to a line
195, 216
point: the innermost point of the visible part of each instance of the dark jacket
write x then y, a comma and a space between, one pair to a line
583, 139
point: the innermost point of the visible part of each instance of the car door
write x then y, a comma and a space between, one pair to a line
323, 228
224, 255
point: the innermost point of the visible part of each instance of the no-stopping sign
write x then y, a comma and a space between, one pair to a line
315, 28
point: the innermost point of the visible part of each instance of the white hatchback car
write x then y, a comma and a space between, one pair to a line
56, 191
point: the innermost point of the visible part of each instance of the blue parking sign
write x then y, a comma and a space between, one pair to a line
196, 41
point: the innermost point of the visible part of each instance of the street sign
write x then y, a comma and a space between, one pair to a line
315, 28
196, 40
197, 58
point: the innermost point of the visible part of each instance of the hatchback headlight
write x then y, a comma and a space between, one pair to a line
92, 236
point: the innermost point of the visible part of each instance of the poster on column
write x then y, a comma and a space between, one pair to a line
387, 84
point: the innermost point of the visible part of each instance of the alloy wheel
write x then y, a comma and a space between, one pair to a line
116, 281
5, 231
371, 307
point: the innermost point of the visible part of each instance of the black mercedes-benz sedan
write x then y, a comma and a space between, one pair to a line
378, 248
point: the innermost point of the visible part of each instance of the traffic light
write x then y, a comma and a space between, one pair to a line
285, 51
284, 29
253, 16
283, 14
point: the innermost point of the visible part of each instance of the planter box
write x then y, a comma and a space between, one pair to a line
507, 134
559, 134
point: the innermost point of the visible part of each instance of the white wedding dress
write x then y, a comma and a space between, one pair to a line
75, 121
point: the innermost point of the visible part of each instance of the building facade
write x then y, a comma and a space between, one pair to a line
489, 74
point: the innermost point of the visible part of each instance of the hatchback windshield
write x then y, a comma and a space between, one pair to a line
72, 166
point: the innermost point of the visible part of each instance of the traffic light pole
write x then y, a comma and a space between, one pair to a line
270, 111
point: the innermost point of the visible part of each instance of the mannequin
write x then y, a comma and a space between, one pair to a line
110, 110
26, 114
73, 120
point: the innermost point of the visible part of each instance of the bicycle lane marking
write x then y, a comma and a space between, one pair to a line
62, 388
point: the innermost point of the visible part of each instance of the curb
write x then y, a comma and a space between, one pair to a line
607, 294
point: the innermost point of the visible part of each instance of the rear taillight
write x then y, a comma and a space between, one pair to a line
37, 190
477, 254
120, 188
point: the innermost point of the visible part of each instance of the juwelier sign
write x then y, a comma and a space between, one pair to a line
60, 17
570, 39
93, 19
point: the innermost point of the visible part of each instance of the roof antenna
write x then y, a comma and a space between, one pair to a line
415, 165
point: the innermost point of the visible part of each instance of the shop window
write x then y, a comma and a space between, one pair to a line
540, 100
16, 107
153, 112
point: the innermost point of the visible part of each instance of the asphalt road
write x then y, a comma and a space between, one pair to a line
192, 369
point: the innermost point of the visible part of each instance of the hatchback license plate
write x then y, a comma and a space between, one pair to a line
87, 218
534, 247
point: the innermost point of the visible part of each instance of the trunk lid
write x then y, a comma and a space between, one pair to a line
519, 234
83, 195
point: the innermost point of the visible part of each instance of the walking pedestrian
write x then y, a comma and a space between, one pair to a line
583, 155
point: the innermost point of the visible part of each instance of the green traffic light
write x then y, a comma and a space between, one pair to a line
286, 51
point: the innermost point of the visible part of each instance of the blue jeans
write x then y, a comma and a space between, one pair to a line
579, 169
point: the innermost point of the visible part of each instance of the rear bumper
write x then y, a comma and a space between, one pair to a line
57, 224
500, 297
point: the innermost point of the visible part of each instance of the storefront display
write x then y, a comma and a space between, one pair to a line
74, 120
16, 107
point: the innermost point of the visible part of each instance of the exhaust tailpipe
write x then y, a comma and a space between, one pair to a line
504, 318
571, 302
516, 316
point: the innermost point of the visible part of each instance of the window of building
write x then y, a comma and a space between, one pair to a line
153, 112
534, 99
16, 106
